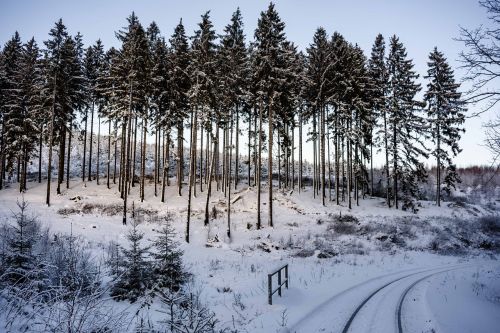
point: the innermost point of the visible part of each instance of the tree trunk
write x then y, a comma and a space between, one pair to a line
180, 162
329, 165
322, 153
91, 139
438, 168
337, 159
128, 119
98, 145
84, 164
51, 142
210, 175
134, 154
224, 159
249, 146
69, 153
371, 165
270, 162
259, 167
166, 165
388, 180
39, 158
279, 160
192, 169
230, 148
62, 150
123, 163
293, 157
300, 152
349, 165
127, 170
157, 147
201, 158
237, 150
2, 155
116, 152
143, 155
108, 170
314, 156
395, 171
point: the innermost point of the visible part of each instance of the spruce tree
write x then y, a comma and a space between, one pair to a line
445, 114
34, 114
168, 269
3, 85
202, 69
269, 39
134, 278
63, 92
317, 71
179, 84
406, 127
235, 68
20, 258
131, 75
378, 76
14, 110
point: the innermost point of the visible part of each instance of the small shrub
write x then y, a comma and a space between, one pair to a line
343, 228
224, 290
490, 224
304, 253
112, 210
68, 211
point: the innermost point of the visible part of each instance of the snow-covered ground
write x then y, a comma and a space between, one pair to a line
368, 269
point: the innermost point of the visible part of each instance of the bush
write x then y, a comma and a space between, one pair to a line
490, 224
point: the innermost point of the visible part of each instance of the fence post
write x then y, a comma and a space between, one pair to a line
279, 283
286, 276
270, 286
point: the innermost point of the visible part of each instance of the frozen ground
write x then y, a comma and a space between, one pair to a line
370, 269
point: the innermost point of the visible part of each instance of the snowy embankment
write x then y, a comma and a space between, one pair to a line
440, 265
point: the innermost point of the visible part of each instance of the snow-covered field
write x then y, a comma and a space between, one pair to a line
369, 269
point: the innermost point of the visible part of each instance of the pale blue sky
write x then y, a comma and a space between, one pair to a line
421, 25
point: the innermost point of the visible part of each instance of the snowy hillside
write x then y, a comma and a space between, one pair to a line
336, 258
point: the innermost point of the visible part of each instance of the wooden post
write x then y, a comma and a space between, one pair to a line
279, 283
286, 276
270, 288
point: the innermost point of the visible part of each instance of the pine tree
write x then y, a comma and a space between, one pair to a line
72, 97
131, 76
318, 65
234, 52
269, 39
162, 114
288, 102
168, 269
445, 114
63, 92
53, 74
158, 72
14, 110
179, 86
233, 67
202, 69
337, 91
379, 81
34, 114
20, 258
3, 86
406, 127
134, 279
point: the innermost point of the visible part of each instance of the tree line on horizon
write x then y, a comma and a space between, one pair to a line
210, 90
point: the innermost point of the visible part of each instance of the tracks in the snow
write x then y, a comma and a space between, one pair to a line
402, 298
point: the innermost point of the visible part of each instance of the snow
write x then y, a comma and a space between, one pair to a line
323, 293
